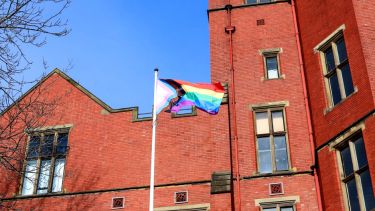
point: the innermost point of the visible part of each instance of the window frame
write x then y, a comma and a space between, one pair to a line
278, 206
268, 53
271, 135
52, 158
349, 143
331, 43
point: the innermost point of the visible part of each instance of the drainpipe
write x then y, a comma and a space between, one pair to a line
307, 107
229, 29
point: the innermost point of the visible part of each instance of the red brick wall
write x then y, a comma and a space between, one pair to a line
110, 151
315, 25
329, 177
364, 13
134, 200
248, 39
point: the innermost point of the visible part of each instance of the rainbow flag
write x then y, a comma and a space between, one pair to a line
204, 96
164, 94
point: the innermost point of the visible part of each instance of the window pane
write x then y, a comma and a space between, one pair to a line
281, 153
346, 161
43, 179
33, 147
361, 152
335, 89
347, 79
47, 145
264, 155
251, 1
286, 209
353, 195
264, 1
58, 175
277, 121
262, 123
272, 67
341, 50
330, 61
62, 143
269, 209
29, 178
367, 190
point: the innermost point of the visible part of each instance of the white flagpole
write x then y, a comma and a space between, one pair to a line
151, 208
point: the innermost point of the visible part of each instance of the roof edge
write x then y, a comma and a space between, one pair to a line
75, 84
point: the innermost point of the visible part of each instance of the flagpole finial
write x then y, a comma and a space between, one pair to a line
156, 69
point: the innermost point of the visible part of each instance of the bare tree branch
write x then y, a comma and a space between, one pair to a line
24, 24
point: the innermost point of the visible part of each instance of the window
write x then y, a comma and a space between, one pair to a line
258, 1
271, 63
45, 162
278, 208
336, 70
271, 140
355, 175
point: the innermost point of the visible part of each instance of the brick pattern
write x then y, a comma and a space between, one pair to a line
251, 88
359, 31
108, 150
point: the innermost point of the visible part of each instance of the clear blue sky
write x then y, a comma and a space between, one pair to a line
115, 45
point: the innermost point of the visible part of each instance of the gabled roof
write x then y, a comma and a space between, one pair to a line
75, 84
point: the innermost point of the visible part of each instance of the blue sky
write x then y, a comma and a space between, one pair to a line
115, 45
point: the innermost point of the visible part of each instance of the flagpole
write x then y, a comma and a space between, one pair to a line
151, 207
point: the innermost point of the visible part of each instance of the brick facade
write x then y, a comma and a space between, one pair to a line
109, 153
355, 113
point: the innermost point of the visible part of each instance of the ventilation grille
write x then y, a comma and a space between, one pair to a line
260, 22
276, 188
180, 197
220, 182
118, 202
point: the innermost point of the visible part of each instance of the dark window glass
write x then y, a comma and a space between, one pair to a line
367, 190
47, 145
272, 67
361, 152
341, 49
353, 195
62, 144
335, 89
347, 79
251, 1
281, 155
347, 161
264, 1
264, 153
33, 151
330, 61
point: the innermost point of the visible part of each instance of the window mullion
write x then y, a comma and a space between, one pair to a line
338, 70
269, 114
37, 171
52, 167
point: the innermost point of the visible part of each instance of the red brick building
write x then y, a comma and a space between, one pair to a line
293, 133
